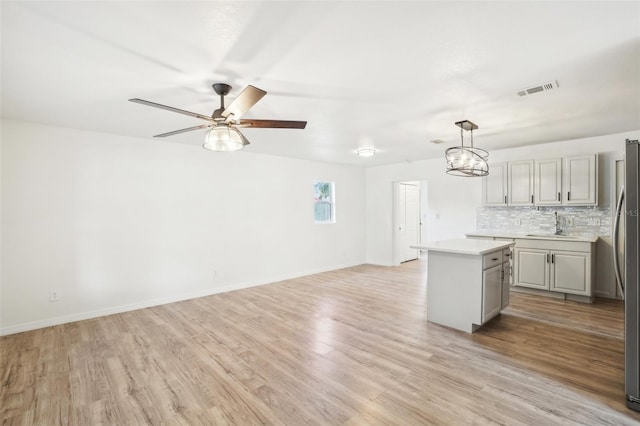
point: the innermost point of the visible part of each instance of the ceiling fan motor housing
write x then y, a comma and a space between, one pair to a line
221, 89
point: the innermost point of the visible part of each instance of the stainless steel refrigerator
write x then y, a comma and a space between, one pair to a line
629, 283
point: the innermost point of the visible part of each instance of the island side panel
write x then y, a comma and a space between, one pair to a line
454, 290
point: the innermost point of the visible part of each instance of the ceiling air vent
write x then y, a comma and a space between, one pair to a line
541, 88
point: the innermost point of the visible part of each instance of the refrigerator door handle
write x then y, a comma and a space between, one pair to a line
616, 226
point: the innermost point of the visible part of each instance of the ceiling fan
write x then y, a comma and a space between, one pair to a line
224, 123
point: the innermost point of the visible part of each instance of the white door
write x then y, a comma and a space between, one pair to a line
402, 226
408, 220
412, 220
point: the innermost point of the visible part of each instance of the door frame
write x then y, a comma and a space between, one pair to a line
395, 234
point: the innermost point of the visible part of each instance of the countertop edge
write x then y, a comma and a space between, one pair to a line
500, 246
532, 237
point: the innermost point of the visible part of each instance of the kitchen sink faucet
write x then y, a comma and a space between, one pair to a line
557, 220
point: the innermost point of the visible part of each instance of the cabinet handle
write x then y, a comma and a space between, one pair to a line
559, 197
552, 258
569, 196
547, 257
505, 199
531, 198
494, 258
507, 255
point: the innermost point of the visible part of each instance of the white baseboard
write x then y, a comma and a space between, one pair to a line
379, 262
48, 322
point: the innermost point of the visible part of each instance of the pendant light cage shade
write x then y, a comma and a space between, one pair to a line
222, 139
467, 161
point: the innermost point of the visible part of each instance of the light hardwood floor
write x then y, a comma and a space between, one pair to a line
344, 347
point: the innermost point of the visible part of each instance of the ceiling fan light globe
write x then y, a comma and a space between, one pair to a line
223, 139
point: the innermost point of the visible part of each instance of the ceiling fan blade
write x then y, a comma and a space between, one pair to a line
273, 124
245, 100
168, 108
175, 132
245, 141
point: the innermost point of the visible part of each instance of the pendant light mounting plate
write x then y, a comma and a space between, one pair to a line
466, 125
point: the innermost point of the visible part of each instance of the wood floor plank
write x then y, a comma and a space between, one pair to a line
349, 347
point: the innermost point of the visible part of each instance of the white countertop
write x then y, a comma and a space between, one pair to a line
534, 236
465, 246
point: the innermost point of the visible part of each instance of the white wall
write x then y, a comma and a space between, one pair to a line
115, 223
448, 199
453, 201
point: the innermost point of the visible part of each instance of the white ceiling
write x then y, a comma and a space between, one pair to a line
393, 75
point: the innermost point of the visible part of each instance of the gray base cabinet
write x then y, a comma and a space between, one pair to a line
571, 272
556, 266
532, 268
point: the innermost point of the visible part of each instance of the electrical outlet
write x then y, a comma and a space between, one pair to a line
570, 220
53, 296
594, 221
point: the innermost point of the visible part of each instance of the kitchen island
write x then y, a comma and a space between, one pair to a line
466, 284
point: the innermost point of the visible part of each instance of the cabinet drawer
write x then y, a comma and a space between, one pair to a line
506, 254
492, 259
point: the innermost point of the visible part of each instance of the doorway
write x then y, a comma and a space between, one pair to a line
408, 198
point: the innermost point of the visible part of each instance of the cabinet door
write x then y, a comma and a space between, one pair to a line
505, 285
491, 292
571, 272
507, 256
548, 179
532, 268
581, 180
494, 186
520, 183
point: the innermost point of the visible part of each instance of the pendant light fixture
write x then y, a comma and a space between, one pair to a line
467, 161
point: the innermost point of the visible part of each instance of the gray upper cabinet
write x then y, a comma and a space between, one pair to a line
494, 186
555, 182
520, 183
580, 183
548, 182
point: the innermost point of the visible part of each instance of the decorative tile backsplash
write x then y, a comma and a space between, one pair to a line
580, 221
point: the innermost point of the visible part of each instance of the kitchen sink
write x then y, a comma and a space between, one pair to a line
551, 236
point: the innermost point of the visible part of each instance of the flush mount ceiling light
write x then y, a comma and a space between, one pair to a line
467, 161
366, 152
